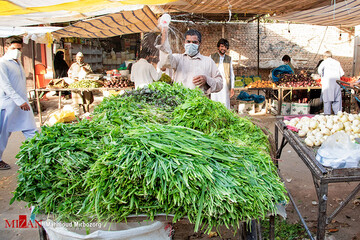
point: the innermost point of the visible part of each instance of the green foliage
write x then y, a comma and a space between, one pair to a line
283, 230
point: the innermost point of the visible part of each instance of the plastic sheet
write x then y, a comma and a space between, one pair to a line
125, 231
339, 152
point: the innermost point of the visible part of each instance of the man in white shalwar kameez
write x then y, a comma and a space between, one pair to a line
330, 70
144, 73
15, 111
224, 64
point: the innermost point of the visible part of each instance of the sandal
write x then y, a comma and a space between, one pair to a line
4, 165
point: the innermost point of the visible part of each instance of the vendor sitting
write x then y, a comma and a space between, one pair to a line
78, 71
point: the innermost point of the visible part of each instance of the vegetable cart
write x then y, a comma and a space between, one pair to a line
145, 152
322, 176
352, 91
244, 232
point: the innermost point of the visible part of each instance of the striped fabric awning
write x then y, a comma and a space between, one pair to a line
345, 14
244, 6
126, 22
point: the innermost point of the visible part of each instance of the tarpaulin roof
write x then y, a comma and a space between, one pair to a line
10, 31
345, 13
142, 20
33, 12
244, 6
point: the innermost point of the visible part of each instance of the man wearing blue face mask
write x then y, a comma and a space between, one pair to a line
190, 68
15, 111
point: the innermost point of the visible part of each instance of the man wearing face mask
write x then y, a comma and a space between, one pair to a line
15, 111
78, 70
224, 64
190, 68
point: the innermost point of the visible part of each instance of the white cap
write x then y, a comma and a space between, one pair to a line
80, 54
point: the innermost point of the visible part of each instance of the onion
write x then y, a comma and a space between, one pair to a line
313, 124
317, 142
344, 118
351, 117
330, 123
309, 142
302, 133
318, 135
355, 129
325, 131
339, 113
312, 138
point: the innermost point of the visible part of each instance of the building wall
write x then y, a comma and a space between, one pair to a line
305, 44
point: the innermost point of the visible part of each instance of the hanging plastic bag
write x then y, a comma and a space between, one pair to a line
339, 152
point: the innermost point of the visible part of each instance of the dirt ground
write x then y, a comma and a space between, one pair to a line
295, 173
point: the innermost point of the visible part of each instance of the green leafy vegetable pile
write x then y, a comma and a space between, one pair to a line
85, 83
162, 149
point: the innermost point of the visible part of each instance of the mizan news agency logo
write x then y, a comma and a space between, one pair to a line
22, 222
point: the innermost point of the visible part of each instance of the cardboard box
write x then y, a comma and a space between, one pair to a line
246, 107
274, 105
285, 108
300, 108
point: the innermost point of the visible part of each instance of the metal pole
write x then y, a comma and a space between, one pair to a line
258, 46
33, 44
272, 227
323, 194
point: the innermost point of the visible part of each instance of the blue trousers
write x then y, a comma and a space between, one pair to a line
335, 105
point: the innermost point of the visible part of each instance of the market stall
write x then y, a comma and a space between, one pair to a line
114, 85
322, 176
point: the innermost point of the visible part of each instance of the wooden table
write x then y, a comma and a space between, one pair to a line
270, 93
66, 90
279, 94
322, 176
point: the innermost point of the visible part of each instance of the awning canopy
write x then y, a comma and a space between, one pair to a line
126, 22
344, 14
11, 31
244, 6
34, 12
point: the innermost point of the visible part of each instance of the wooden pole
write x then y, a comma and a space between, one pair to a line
258, 46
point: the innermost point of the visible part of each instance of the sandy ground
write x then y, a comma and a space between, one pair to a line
297, 177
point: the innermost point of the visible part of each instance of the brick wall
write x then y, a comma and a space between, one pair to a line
305, 44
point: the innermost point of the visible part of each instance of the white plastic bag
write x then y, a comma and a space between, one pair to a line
339, 152
124, 231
